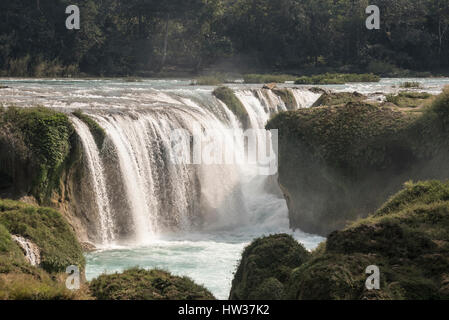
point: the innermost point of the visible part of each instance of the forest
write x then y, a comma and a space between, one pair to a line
174, 37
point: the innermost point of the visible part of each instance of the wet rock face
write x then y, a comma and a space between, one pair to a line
31, 251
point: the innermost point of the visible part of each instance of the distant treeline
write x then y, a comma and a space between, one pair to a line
145, 37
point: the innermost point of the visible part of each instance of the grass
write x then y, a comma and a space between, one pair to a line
407, 99
139, 284
228, 97
97, 131
337, 78
208, 81
57, 243
268, 78
48, 230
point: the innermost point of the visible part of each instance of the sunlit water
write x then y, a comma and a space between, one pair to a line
209, 258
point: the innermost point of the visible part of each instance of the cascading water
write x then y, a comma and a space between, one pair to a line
162, 195
213, 211
94, 163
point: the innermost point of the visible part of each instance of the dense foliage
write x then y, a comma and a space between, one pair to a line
149, 36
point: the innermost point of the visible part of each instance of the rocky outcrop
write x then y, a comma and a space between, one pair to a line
339, 163
41, 162
407, 239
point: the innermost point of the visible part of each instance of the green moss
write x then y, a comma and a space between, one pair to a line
228, 97
139, 284
409, 243
97, 131
337, 78
339, 163
265, 267
287, 97
338, 98
48, 230
268, 78
47, 134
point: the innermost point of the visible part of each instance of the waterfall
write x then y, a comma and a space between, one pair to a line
160, 195
94, 164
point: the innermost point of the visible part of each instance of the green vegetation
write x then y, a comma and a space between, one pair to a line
268, 78
287, 97
409, 85
148, 38
407, 239
228, 97
97, 131
265, 267
139, 284
48, 230
406, 99
341, 162
208, 81
338, 98
59, 249
45, 136
335, 78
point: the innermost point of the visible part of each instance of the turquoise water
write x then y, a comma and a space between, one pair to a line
209, 260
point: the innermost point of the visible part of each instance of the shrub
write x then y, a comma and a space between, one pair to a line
265, 267
139, 284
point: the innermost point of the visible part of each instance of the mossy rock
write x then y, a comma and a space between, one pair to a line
265, 267
48, 230
227, 96
44, 138
139, 284
408, 239
340, 163
95, 129
287, 97
338, 98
